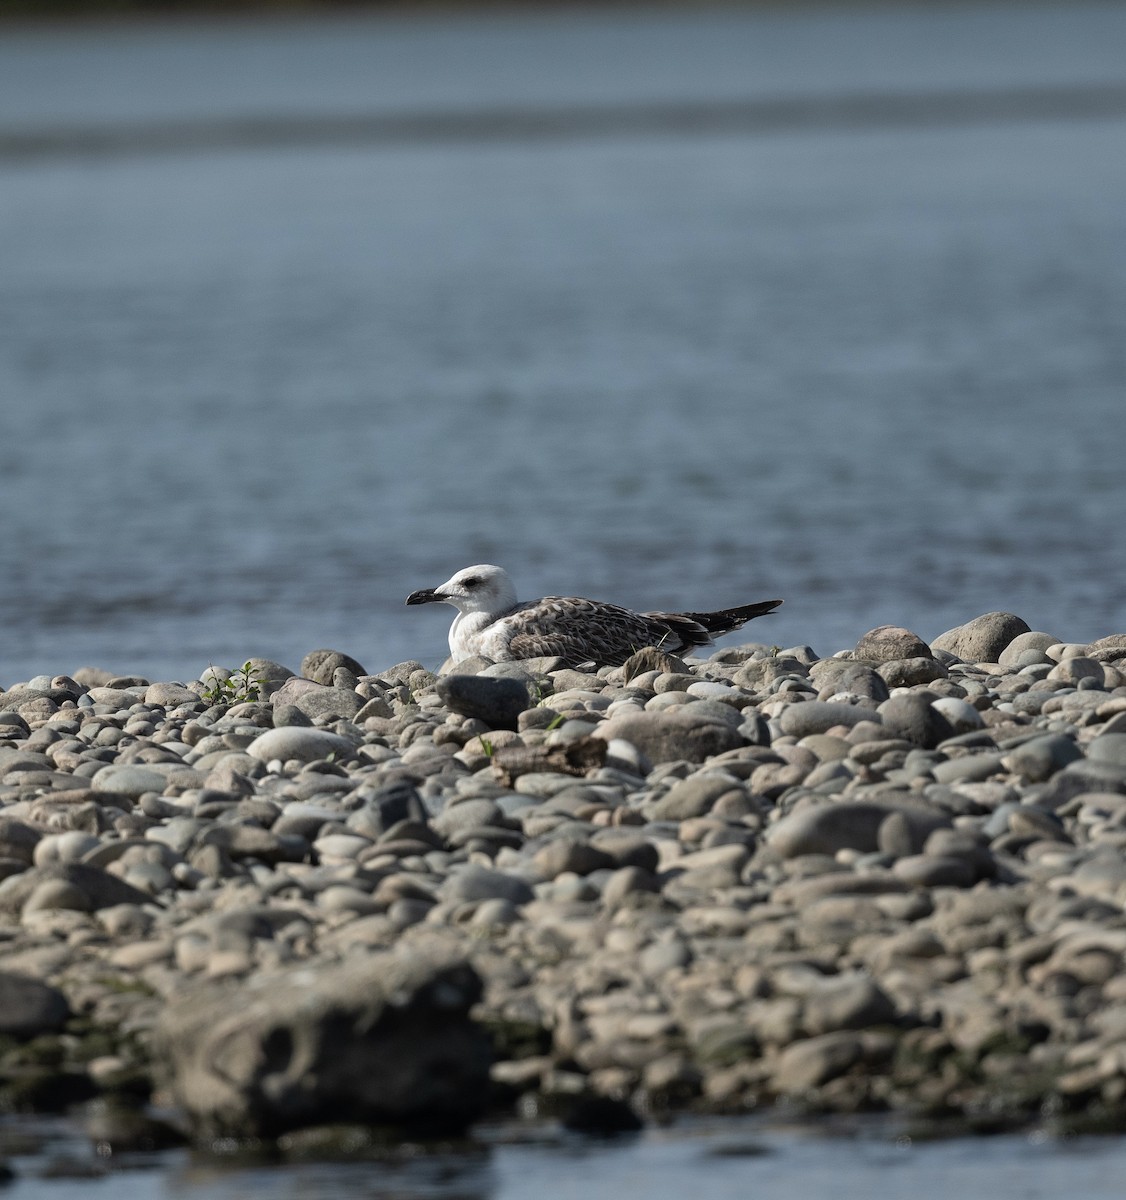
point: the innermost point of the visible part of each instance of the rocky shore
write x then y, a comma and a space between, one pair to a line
264, 904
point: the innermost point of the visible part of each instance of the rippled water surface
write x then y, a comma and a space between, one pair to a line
826, 304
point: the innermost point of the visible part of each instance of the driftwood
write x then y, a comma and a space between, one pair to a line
570, 758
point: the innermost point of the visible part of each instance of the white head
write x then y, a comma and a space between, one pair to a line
480, 589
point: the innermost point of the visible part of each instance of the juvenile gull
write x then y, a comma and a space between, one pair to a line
491, 622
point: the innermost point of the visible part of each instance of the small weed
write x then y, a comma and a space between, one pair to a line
487, 747
241, 686
556, 721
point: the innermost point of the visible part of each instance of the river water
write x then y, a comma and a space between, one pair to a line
713, 1160
673, 308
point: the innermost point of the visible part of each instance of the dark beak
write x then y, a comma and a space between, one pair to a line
426, 596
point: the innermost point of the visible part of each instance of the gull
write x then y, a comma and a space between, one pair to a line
491, 622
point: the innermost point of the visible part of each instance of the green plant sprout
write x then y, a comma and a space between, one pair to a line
241, 686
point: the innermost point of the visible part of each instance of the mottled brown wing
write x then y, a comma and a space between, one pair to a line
581, 631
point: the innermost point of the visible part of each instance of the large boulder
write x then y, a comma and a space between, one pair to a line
384, 1039
982, 639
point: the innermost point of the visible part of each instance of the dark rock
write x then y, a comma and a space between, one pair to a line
385, 1038
600, 1115
28, 1007
627, 849
497, 702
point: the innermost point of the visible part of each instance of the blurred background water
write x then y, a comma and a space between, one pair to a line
673, 307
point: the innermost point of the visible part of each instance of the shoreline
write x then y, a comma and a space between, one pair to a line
891, 880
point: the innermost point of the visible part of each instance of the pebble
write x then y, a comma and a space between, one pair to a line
889, 877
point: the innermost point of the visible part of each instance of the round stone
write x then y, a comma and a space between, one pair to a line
295, 742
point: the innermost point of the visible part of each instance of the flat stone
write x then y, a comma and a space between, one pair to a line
687, 733
817, 716
171, 695
294, 742
926, 870
481, 883
128, 780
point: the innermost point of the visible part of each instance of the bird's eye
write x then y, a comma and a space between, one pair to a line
471, 583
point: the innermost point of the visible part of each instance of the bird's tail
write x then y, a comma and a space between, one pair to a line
725, 620
698, 628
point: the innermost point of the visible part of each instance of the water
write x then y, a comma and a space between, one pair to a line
714, 1161
259, 381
